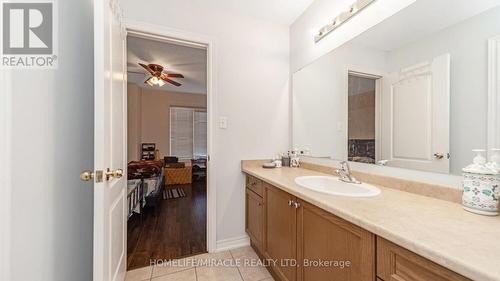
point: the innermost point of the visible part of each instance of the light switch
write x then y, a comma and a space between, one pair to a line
223, 122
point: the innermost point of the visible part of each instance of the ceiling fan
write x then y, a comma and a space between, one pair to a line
159, 78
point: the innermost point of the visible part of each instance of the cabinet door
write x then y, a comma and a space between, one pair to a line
347, 251
280, 232
398, 264
254, 218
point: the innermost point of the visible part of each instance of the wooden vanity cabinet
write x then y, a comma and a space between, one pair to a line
395, 263
255, 185
280, 235
300, 236
321, 236
295, 234
254, 211
254, 221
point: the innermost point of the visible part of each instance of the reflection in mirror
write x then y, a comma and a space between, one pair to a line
361, 118
411, 92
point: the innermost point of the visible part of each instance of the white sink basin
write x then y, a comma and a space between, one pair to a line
334, 186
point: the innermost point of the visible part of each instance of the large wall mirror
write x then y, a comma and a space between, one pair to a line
411, 92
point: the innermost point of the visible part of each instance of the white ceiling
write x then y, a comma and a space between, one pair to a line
278, 11
191, 62
420, 19
188, 61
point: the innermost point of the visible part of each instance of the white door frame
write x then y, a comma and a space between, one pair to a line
5, 175
493, 92
143, 29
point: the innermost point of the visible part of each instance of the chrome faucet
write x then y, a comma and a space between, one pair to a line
345, 173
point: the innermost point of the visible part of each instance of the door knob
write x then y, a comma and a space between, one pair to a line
439, 156
89, 175
442, 155
86, 175
118, 173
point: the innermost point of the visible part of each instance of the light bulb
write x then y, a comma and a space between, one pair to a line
354, 9
150, 82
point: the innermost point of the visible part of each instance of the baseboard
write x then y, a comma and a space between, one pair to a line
232, 243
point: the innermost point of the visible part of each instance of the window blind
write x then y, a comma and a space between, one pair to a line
200, 134
188, 132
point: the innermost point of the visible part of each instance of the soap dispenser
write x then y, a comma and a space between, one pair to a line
480, 186
295, 158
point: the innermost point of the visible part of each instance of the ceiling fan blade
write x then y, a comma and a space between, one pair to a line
175, 75
171, 81
171, 75
135, 72
147, 68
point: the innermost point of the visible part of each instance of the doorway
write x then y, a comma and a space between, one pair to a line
362, 118
168, 108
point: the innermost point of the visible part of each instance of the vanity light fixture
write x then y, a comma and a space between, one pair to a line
342, 18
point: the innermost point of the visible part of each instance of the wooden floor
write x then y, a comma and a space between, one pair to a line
178, 229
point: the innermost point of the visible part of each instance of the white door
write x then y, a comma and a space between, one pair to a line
110, 148
415, 110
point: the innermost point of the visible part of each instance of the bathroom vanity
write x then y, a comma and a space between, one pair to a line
399, 103
394, 236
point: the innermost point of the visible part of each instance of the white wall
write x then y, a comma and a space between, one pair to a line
52, 142
467, 43
155, 127
303, 49
5, 174
252, 90
319, 99
134, 122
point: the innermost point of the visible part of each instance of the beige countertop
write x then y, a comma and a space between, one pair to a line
438, 230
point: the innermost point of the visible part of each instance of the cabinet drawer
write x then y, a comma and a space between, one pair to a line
255, 185
395, 263
254, 218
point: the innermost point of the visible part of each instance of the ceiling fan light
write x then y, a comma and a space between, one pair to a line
160, 83
150, 82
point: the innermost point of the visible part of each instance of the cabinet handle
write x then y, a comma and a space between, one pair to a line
296, 205
259, 204
290, 202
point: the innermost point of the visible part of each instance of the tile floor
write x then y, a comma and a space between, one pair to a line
235, 265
